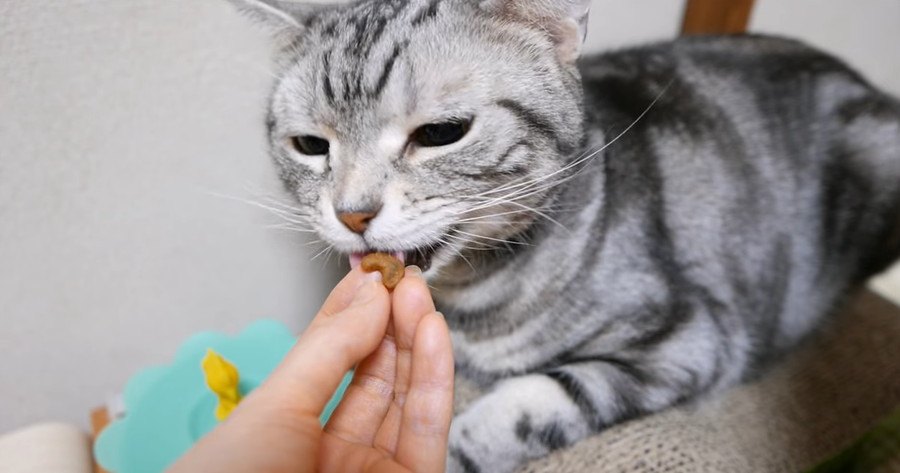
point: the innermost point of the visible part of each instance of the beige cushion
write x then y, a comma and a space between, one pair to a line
808, 407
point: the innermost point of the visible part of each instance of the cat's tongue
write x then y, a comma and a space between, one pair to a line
356, 258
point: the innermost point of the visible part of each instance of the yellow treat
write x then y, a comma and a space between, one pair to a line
223, 380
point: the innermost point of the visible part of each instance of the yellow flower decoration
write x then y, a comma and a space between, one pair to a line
223, 380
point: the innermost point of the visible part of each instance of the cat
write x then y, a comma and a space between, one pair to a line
608, 236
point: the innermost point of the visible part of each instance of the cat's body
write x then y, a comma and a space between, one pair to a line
710, 238
606, 241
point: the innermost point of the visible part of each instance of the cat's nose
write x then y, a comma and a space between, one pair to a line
357, 222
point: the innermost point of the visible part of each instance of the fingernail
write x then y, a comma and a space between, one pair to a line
414, 270
441, 315
367, 278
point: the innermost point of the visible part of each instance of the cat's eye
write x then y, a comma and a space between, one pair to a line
310, 145
441, 134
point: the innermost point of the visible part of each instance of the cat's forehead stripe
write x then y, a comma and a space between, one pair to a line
427, 12
388, 68
326, 78
358, 36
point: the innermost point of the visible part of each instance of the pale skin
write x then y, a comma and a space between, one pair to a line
395, 416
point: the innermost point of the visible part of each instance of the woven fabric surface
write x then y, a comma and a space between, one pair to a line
805, 409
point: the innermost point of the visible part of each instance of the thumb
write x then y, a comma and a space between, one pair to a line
331, 346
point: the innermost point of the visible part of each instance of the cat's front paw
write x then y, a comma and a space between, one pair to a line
457, 462
488, 444
468, 454
520, 420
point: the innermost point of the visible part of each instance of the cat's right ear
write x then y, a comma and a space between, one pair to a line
564, 21
285, 19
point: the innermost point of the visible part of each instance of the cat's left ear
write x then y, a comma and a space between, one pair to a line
285, 19
566, 21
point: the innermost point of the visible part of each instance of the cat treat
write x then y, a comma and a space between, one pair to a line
391, 268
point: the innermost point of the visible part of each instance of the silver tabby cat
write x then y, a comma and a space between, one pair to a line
608, 236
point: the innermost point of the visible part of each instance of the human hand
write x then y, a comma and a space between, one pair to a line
395, 415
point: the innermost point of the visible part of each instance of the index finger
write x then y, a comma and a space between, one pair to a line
348, 328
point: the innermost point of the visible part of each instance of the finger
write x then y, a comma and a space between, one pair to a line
368, 397
332, 345
342, 294
422, 445
337, 455
410, 302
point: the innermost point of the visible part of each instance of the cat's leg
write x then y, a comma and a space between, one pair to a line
527, 417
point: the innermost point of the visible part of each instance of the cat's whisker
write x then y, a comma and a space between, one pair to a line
490, 223
469, 263
332, 252
492, 202
466, 244
443, 240
517, 195
537, 212
291, 225
498, 240
546, 208
281, 209
513, 197
324, 251
505, 187
290, 228
504, 196
501, 214
284, 206
262, 196
624, 132
528, 191
314, 242
287, 215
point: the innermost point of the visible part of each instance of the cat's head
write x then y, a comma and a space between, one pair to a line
426, 127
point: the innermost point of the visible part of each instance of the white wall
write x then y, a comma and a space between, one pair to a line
614, 23
865, 33
118, 118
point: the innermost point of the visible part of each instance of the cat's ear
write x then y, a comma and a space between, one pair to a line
566, 21
285, 19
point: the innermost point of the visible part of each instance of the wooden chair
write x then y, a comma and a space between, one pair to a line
716, 16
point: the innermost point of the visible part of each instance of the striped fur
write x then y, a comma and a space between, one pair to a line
612, 237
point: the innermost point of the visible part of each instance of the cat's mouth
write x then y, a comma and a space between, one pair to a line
420, 257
